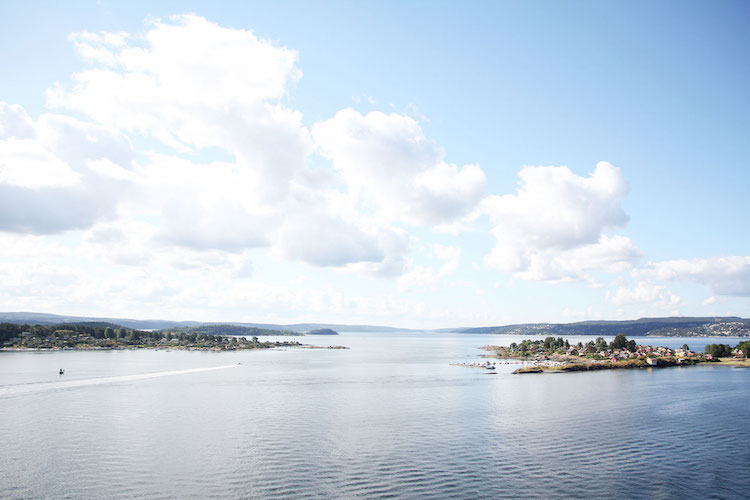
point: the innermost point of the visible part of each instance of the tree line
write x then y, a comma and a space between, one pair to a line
725, 351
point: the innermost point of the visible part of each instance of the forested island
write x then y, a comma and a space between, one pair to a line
322, 331
557, 354
110, 336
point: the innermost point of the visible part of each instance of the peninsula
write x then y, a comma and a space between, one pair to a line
557, 354
102, 336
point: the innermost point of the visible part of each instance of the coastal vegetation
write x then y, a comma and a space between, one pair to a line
110, 336
557, 354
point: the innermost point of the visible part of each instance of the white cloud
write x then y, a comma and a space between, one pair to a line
394, 169
421, 277
26, 163
47, 183
724, 275
323, 240
194, 84
553, 228
644, 293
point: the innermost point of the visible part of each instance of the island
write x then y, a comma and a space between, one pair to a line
322, 331
558, 355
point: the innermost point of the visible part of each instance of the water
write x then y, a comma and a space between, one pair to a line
389, 418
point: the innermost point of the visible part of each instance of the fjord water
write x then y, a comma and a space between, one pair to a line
388, 418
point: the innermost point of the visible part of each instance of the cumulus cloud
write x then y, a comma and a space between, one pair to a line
724, 275
553, 229
193, 84
644, 293
421, 277
51, 178
202, 89
328, 241
386, 160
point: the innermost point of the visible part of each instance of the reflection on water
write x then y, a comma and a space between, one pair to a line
388, 418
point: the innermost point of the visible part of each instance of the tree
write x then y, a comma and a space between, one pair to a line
632, 345
620, 341
718, 350
601, 344
745, 348
109, 332
685, 347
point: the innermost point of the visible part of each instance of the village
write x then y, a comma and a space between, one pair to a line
557, 354
111, 339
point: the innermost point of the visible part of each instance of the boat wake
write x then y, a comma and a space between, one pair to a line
17, 389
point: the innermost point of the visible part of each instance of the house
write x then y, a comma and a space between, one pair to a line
738, 354
651, 362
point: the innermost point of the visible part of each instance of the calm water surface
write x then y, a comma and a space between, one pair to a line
389, 418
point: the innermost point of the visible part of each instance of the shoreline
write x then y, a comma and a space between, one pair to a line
558, 355
627, 365
171, 348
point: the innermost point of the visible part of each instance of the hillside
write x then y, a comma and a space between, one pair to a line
675, 326
33, 318
728, 326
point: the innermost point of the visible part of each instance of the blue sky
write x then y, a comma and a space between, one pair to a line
422, 164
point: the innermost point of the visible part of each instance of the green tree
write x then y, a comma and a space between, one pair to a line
620, 341
718, 350
745, 348
601, 344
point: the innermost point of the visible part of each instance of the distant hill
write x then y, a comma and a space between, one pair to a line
227, 329
53, 319
32, 318
728, 326
675, 326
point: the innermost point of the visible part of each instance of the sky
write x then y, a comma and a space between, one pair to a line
415, 164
